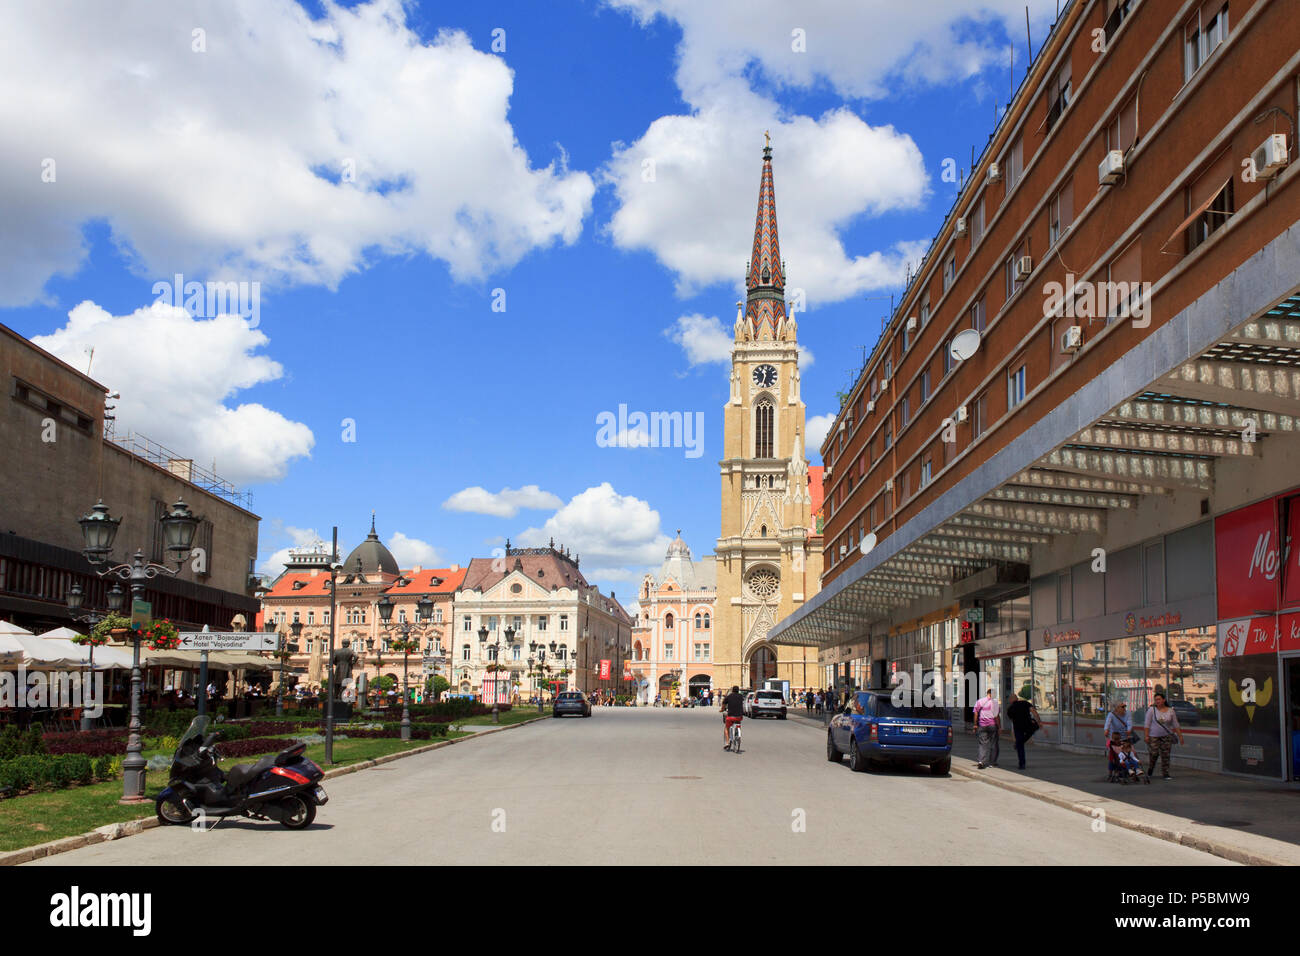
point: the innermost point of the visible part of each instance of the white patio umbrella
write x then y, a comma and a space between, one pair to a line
107, 657
37, 654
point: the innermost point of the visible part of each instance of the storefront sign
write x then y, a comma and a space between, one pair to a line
1256, 570
1248, 636
1002, 645
1288, 633
1194, 612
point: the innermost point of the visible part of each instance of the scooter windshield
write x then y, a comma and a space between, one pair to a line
197, 731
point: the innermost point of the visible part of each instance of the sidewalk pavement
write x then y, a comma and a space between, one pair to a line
1250, 821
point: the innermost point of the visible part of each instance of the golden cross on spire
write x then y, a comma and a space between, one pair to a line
767, 140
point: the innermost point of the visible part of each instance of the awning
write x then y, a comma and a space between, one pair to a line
1182, 226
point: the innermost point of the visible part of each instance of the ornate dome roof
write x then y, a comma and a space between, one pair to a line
677, 564
375, 558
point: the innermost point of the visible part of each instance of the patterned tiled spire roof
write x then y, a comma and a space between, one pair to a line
765, 283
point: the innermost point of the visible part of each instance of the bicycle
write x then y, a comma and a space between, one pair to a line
735, 737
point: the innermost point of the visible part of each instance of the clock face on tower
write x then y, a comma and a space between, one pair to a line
765, 375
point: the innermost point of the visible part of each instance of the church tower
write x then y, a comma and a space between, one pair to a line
769, 558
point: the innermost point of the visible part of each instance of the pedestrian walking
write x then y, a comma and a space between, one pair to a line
1117, 729
1024, 723
1162, 729
988, 723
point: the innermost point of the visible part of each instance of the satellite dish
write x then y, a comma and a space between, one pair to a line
964, 344
868, 543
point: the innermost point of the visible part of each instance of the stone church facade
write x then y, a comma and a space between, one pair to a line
769, 551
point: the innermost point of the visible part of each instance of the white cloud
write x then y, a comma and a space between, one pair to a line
277, 530
412, 551
697, 216
818, 427
175, 374
686, 188
615, 535
290, 150
702, 337
868, 48
506, 503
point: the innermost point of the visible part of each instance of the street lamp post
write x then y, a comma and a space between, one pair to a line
496, 693
98, 530
423, 616
540, 651
75, 598
283, 651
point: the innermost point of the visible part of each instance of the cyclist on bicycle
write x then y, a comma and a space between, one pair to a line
733, 706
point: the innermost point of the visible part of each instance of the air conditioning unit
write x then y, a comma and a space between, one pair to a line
1111, 168
1270, 156
912, 323
1024, 267
884, 383
1072, 339
961, 415
961, 225
871, 406
844, 549
829, 470
889, 484
995, 173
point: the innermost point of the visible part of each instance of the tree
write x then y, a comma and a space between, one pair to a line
436, 685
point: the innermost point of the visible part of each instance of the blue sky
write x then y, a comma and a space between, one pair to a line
224, 154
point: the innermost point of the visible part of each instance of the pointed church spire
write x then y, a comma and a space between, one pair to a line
765, 283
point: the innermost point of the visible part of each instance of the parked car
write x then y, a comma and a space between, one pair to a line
571, 703
874, 728
1188, 715
749, 703
766, 703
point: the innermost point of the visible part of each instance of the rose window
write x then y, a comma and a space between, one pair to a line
763, 583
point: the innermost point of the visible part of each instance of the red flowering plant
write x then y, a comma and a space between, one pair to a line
404, 647
160, 635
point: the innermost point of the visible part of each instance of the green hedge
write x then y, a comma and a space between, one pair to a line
21, 743
43, 771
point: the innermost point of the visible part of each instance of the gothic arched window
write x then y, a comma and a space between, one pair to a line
763, 413
668, 622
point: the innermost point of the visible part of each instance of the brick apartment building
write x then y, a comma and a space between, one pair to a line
58, 463
1085, 502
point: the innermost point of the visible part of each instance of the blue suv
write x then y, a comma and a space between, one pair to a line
872, 727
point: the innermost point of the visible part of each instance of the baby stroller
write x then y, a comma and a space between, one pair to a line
1120, 770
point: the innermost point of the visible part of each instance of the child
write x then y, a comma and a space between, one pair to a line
1129, 764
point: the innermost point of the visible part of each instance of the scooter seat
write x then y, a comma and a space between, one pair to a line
241, 773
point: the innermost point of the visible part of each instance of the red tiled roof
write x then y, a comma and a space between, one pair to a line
421, 582
313, 585
482, 573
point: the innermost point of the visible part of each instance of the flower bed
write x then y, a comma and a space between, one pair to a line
92, 743
236, 749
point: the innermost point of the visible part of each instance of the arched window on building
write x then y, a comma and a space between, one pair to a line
668, 622
706, 622
698, 619
763, 413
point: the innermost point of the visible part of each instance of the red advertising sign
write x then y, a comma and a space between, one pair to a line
1247, 557
604, 670
1248, 636
1288, 632
1291, 572
627, 675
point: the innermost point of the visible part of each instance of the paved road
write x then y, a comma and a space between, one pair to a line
652, 786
